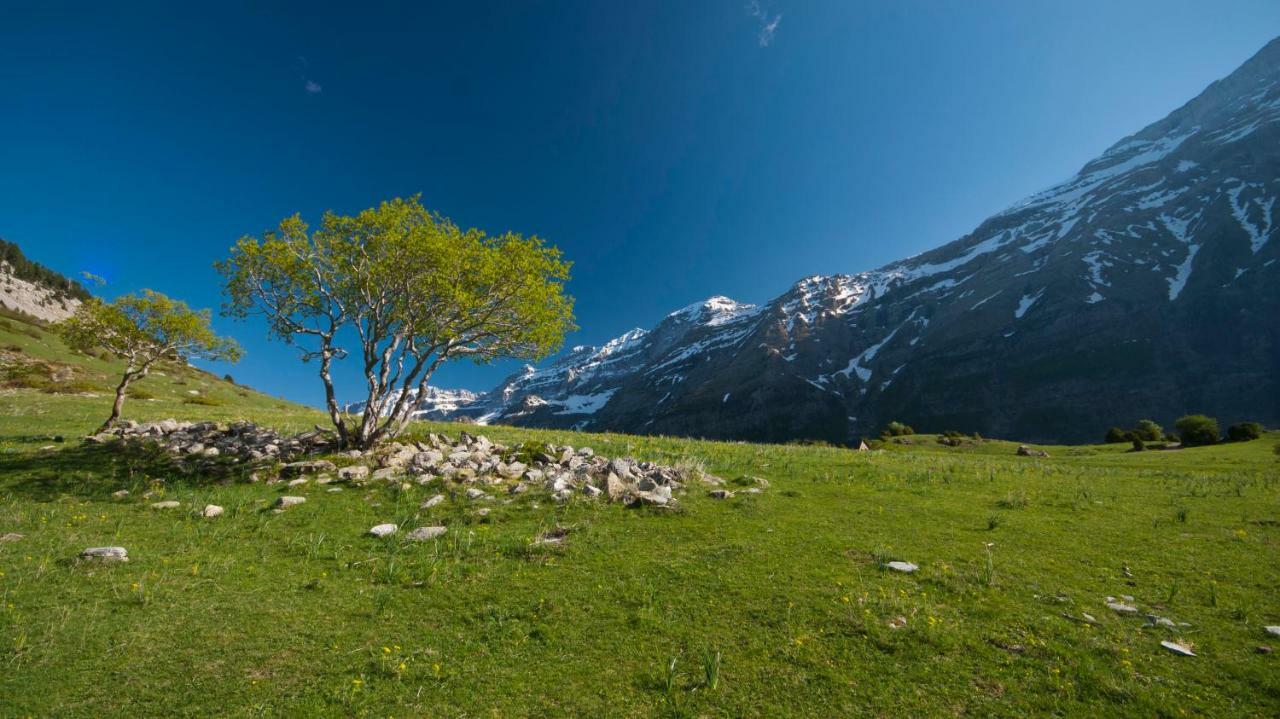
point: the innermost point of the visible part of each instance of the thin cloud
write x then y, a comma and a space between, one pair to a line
768, 25
311, 86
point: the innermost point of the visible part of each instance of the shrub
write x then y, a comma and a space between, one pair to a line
897, 429
204, 401
1244, 431
141, 394
228, 378
1138, 446
1197, 430
1115, 435
1148, 431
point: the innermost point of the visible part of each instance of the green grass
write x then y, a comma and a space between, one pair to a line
766, 605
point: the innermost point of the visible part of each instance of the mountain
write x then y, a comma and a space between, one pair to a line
1146, 285
35, 290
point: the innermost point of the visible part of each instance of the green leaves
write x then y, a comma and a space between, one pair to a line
414, 289
147, 327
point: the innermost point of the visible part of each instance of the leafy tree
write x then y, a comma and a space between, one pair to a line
1138, 444
403, 290
1115, 435
1148, 431
897, 429
1244, 431
142, 330
1197, 429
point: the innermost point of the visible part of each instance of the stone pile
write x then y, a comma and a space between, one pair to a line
486, 469
243, 441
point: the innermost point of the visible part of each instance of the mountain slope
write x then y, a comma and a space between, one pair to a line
1145, 285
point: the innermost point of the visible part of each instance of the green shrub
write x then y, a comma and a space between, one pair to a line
1148, 431
1115, 435
1197, 430
136, 393
1244, 431
1138, 445
897, 429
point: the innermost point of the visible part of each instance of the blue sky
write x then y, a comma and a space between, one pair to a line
673, 150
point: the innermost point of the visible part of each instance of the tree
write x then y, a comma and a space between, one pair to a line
142, 330
406, 290
1148, 431
1244, 431
1115, 435
897, 429
1197, 429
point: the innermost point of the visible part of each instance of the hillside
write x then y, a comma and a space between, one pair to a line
35, 290
774, 604
1145, 285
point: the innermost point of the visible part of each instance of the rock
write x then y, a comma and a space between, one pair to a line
422, 534
720, 494
1121, 607
482, 512
473, 493
901, 566
751, 490
387, 473
428, 504
1272, 630
383, 530
1156, 621
1262, 649
10, 537
898, 622
1178, 648
120, 493
286, 501
296, 482
586, 452
615, 487
167, 504
106, 554
353, 473
1025, 451
295, 469
212, 510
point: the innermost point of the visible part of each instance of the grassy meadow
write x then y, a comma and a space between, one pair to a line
767, 605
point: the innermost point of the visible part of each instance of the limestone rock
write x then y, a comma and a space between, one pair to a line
383, 530
422, 534
106, 554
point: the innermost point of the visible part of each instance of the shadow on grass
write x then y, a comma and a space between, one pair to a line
93, 471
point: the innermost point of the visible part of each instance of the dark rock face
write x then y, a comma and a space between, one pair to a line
1148, 285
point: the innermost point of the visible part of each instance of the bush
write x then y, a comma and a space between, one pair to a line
1138, 446
204, 401
1244, 431
897, 429
142, 394
1115, 435
1197, 430
228, 378
1148, 431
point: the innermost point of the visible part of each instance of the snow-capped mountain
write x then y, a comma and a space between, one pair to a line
1145, 285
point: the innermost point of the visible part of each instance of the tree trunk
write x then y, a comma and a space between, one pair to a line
330, 397
119, 403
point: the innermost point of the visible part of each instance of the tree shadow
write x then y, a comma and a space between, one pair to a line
95, 471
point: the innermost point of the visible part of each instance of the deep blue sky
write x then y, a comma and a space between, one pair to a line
673, 150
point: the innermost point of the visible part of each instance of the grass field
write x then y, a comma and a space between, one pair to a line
767, 605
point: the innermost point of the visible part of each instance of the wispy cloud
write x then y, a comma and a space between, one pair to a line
768, 25
302, 67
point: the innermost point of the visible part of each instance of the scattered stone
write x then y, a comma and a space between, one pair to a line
907, 567
387, 473
720, 494
473, 493
482, 512
120, 493
1275, 631
1025, 451
10, 537
286, 501
897, 622
212, 510
106, 554
167, 504
432, 502
316, 466
1262, 649
423, 534
296, 483
1116, 605
383, 530
1156, 621
1178, 648
353, 473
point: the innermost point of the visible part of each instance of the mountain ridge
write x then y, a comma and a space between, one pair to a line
1139, 284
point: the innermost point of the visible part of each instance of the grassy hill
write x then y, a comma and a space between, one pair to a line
301, 614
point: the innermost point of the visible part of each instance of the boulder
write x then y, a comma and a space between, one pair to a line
211, 510
167, 504
428, 504
286, 501
423, 534
383, 530
106, 554
896, 566
353, 473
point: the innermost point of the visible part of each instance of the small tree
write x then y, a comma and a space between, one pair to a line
1197, 430
1115, 435
897, 429
1244, 431
142, 330
406, 290
1148, 431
